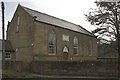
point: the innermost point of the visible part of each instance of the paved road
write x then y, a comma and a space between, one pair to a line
65, 78
48, 77
56, 79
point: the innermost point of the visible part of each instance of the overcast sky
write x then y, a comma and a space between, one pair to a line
69, 10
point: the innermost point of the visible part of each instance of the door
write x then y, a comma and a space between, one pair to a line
65, 56
65, 53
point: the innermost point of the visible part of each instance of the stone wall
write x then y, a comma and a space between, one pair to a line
22, 39
81, 68
14, 65
40, 48
100, 68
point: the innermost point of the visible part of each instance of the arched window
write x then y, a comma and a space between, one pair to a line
51, 42
90, 48
75, 45
17, 53
18, 24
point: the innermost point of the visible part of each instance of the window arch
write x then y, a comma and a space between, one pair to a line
75, 45
51, 42
18, 24
17, 53
90, 48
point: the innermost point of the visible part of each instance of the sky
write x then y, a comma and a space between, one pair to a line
69, 10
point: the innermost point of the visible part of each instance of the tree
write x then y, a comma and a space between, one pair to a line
107, 18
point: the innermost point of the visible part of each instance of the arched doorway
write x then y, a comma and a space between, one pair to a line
65, 53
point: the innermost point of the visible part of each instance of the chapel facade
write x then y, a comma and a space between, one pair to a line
37, 36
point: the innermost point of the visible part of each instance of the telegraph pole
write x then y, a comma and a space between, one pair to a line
3, 35
2, 6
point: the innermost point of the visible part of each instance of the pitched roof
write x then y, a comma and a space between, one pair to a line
56, 21
8, 46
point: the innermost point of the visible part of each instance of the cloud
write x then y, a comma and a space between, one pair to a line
16, 0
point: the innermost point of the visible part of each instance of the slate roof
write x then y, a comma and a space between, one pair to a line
56, 21
8, 46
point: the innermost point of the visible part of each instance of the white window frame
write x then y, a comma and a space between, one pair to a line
7, 56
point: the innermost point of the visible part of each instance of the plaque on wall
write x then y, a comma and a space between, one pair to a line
65, 37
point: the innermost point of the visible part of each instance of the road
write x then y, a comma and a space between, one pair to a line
65, 78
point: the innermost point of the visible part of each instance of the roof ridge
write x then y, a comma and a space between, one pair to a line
51, 16
55, 20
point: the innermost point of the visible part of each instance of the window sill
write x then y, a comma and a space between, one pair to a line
52, 54
7, 58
